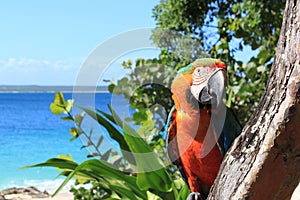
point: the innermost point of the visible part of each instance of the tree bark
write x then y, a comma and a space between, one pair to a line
264, 162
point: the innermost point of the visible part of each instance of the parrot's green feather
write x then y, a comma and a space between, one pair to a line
201, 62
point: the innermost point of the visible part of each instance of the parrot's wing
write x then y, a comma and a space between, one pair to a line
172, 146
231, 129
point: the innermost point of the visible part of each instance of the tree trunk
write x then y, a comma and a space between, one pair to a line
264, 162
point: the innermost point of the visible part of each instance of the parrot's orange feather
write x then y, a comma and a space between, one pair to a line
190, 136
193, 143
188, 130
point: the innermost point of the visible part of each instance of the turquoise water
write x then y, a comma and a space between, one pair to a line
31, 134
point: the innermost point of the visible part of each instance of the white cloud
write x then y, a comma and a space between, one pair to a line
26, 64
28, 71
14, 71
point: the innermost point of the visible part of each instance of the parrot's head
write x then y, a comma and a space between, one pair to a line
204, 80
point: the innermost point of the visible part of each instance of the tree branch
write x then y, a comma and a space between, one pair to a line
264, 162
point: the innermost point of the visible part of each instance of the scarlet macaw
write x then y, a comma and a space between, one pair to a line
200, 127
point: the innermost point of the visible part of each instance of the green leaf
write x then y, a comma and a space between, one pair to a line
68, 106
87, 145
55, 162
66, 157
79, 118
111, 129
139, 116
98, 169
100, 141
111, 88
57, 110
68, 118
152, 196
74, 131
146, 128
106, 155
117, 119
151, 172
91, 155
229, 99
147, 125
114, 133
123, 191
183, 193
59, 104
108, 116
59, 98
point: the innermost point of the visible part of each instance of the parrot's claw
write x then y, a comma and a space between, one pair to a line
194, 196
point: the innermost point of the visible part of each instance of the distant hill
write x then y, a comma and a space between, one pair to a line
37, 88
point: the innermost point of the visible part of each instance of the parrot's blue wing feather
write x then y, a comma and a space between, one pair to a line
172, 147
169, 120
231, 129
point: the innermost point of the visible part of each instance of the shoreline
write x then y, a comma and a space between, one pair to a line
37, 189
52, 89
32, 192
51, 92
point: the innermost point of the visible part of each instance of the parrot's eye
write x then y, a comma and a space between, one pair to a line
197, 71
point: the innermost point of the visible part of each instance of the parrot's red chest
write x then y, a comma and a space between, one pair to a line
201, 160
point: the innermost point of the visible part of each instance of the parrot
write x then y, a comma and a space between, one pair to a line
200, 128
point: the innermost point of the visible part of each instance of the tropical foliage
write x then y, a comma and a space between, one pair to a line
227, 30
136, 173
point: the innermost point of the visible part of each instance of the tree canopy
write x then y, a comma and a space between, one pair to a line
188, 29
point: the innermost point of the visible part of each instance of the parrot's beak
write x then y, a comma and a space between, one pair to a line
213, 91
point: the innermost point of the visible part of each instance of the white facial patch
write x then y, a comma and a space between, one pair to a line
201, 75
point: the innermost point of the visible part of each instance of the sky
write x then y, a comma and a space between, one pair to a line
47, 42
51, 42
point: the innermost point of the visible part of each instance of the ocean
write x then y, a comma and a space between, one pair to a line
31, 134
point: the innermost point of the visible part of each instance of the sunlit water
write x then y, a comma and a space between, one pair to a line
31, 134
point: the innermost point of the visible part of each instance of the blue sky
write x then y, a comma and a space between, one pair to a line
45, 42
